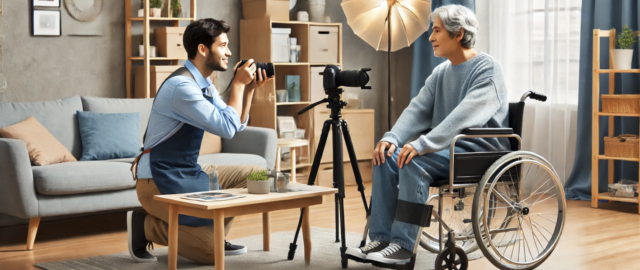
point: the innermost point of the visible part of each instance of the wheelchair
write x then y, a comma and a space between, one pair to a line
510, 205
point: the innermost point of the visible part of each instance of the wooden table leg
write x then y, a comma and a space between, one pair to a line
306, 235
173, 236
293, 164
266, 231
218, 238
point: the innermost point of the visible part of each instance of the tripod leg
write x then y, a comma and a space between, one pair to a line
312, 178
354, 163
337, 217
343, 249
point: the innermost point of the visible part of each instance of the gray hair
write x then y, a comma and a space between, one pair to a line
455, 17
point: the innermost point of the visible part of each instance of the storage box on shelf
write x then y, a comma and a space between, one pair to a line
274, 9
168, 43
613, 105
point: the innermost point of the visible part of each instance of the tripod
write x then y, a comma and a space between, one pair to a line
338, 127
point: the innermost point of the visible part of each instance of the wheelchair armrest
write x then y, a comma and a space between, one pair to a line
487, 131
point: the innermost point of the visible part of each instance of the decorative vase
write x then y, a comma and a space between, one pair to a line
152, 51
316, 10
156, 12
622, 58
258, 187
141, 50
141, 12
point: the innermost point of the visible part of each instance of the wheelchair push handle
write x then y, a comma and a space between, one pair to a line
533, 95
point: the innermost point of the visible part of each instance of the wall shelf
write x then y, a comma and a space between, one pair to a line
595, 128
147, 41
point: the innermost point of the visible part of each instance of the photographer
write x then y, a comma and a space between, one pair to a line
186, 105
466, 91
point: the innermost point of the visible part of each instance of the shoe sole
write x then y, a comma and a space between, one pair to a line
235, 252
356, 254
129, 240
386, 261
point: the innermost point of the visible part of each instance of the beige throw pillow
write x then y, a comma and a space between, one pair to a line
210, 144
44, 149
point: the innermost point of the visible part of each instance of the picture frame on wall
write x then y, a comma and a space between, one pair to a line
46, 3
46, 23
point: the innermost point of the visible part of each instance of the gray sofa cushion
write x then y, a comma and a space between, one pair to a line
232, 159
58, 116
121, 105
82, 177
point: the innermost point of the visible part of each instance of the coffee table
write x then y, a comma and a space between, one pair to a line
251, 204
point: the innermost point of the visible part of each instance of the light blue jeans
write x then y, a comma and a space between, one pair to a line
411, 183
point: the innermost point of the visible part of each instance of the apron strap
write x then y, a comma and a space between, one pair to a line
134, 165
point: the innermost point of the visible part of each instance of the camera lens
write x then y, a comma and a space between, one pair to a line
352, 78
268, 67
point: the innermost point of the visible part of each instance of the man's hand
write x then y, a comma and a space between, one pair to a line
406, 154
260, 81
378, 153
244, 74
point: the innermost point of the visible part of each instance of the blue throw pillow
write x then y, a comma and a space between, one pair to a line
109, 135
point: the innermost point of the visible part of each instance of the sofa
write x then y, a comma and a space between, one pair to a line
71, 188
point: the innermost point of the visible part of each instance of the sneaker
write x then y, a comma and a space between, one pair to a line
392, 254
361, 252
231, 249
135, 237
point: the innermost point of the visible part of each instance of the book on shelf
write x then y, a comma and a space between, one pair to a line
211, 196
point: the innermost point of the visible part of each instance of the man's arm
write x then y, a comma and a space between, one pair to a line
243, 76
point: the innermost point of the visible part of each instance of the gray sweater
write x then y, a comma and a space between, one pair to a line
471, 94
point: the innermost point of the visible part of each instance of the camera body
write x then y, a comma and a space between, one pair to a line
268, 67
333, 77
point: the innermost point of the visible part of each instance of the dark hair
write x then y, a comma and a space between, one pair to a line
203, 31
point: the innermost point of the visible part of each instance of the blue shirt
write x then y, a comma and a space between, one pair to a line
180, 101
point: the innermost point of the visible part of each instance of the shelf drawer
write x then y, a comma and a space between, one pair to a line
323, 45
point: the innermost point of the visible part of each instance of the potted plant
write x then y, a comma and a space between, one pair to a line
176, 9
622, 57
156, 8
141, 10
257, 182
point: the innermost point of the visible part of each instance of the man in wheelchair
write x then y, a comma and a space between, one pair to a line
466, 91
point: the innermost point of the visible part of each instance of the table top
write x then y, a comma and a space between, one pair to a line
292, 142
310, 191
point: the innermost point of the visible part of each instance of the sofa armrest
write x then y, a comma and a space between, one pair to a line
17, 192
254, 140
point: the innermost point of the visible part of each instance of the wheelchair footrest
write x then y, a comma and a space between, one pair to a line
413, 213
406, 266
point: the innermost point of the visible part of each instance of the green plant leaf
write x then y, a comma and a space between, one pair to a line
626, 39
261, 175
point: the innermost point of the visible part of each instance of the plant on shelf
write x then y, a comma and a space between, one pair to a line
176, 8
156, 7
622, 57
257, 182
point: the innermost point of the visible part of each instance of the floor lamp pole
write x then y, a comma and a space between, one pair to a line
389, 67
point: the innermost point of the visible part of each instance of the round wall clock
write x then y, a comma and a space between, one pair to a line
86, 14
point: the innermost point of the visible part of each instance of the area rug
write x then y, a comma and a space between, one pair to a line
325, 254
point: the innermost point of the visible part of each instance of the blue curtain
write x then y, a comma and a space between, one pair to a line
423, 59
602, 14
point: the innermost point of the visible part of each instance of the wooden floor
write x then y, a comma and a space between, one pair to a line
605, 238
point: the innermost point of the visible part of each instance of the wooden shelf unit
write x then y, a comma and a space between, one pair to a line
255, 42
596, 114
129, 58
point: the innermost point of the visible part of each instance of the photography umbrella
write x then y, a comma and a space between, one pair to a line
370, 19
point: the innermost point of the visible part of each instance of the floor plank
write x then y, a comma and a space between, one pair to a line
593, 238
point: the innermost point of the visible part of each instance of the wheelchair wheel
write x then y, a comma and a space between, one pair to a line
525, 200
456, 215
445, 262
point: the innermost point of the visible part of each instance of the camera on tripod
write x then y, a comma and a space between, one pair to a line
333, 77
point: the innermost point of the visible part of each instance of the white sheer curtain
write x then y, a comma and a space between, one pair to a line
537, 42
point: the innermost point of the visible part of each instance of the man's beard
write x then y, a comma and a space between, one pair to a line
211, 63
